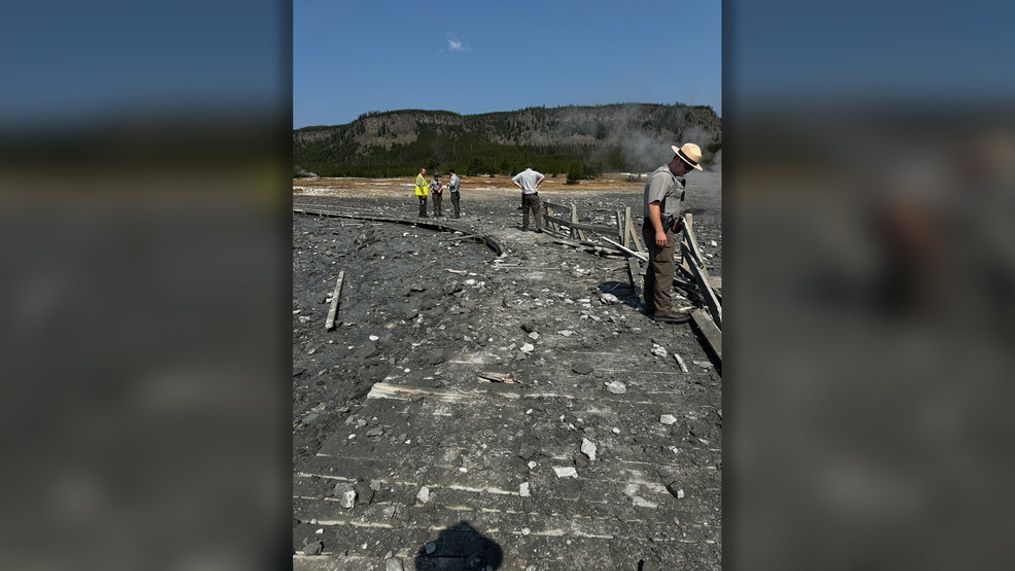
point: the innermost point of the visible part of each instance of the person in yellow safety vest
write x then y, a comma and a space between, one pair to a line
422, 189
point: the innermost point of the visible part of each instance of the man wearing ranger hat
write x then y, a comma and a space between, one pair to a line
662, 222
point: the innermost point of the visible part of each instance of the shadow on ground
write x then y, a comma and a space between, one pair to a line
623, 291
460, 546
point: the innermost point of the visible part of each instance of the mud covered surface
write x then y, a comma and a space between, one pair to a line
503, 438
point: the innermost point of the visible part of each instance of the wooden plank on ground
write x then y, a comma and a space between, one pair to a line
493, 392
701, 278
329, 323
711, 333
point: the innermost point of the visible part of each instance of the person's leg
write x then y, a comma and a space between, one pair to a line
664, 268
525, 212
455, 198
535, 213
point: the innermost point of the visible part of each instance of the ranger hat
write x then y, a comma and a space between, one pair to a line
689, 153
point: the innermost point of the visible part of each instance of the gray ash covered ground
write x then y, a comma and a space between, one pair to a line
489, 453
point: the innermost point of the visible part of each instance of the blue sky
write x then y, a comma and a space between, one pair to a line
477, 56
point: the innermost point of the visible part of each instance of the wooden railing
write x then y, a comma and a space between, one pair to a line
622, 227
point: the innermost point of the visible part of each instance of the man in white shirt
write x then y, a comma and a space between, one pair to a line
529, 180
453, 187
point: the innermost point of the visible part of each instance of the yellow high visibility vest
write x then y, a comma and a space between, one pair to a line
422, 187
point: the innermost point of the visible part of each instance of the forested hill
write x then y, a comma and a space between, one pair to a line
630, 137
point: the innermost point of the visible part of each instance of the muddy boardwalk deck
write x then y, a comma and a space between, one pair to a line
471, 411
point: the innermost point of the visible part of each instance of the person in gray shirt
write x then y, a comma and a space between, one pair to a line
664, 196
453, 185
528, 181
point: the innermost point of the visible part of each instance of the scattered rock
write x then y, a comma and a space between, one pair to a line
667, 419
368, 350
393, 564
609, 299
523, 490
533, 335
675, 490
313, 548
436, 356
346, 493
702, 364
565, 471
423, 495
527, 347
659, 351
527, 451
566, 333
582, 368
616, 387
373, 338
589, 449
375, 432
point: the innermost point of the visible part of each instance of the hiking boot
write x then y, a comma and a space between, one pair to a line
671, 317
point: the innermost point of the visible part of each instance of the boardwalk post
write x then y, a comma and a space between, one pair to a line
629, 221
574, 219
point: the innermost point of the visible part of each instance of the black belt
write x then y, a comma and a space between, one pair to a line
670, 222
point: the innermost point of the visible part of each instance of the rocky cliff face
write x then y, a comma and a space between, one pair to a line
636, 135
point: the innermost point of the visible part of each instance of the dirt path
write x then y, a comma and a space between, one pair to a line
489, 453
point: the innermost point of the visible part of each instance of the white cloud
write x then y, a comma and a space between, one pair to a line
455, 44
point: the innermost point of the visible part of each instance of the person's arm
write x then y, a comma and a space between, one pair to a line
514, 181
542, 177
655, 217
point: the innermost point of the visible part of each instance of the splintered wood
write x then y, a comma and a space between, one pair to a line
496, 377
329, 323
